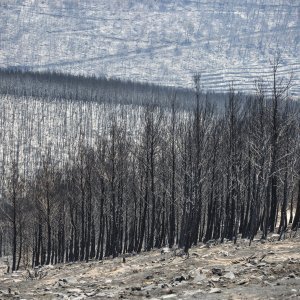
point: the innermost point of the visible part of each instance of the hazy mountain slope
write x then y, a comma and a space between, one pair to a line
159, 41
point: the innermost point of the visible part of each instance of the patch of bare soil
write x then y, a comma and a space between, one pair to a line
264, 270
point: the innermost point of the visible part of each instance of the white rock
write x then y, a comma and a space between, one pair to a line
215, 290
275, 235
215, 279
224, 253
75, 290
171, 296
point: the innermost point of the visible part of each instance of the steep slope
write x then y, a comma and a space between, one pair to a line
226, 271
157, 41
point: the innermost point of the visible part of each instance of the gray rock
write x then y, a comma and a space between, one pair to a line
243, 281
261, 264
199, 278
70, 280
229, 275
193, 293
292, 275
91, 294
268, 283
278, 269
101, 295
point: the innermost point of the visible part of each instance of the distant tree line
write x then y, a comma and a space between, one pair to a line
176, 178
53, 85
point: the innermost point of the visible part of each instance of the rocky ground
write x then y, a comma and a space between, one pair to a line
264, 270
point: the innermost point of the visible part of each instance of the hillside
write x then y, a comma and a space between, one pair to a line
156, 41
156, 141
267, 270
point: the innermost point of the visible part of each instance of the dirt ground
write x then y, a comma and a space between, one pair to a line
264, 270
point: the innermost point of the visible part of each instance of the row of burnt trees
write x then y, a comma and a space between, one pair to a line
180, 178
59, 86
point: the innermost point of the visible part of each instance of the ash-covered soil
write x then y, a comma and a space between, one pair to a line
264, 270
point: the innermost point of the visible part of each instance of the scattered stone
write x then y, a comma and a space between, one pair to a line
214, 291
275, 235
70, 280
215, 279
278, 268
91, 294
167, 291
165, 250
261, 264
199, 278
180, 278
75, 290
171, 296
293, 261
255, 277
217, 271
243, 281
101, 295
224, 253
248, 265
193, 293
220, 276
229, 275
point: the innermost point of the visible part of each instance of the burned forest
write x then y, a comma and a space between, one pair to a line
97, 168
